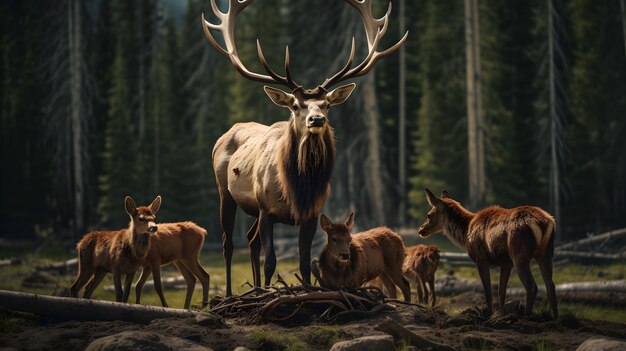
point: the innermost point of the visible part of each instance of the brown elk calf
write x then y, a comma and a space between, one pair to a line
420, 264
348, 261
501, 237
120, 252
178, 243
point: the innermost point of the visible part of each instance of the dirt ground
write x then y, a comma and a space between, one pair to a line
469, 329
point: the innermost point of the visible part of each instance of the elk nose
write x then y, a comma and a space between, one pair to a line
316, 121
344, 256
152, 228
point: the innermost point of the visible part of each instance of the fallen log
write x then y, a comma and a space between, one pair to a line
398, 331
618, 233
64, 308
61, 268
168, 283
610, 286
462, 259
10, 262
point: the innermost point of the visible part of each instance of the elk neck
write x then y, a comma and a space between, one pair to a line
138, 247
456, 226
305, 165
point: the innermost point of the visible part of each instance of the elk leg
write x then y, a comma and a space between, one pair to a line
403, 284
201, 274
305, 239
423, 283
94, 282
485, 277
84, 276
266, 229
545, 265
505, 273
156, 276
254, 249
420, 290
127, 284
389, 286
526, 276
145, 274
431, 284
117, 282
228, 208
189, 279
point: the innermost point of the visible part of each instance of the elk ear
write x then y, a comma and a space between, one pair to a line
279, 97
130, 205
339, 95
350, 220
155, 205
445, 194
432, 199
326, 223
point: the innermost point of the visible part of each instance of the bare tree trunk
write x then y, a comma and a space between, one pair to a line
474, 106
142, 72
554, 163
374, 173
76, 107
402, 121
623, 8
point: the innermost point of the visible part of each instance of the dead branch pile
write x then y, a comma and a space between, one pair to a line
300, 304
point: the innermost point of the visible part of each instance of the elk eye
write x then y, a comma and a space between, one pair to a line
295, 107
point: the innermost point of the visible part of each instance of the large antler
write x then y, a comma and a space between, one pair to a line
227, 28
375, 28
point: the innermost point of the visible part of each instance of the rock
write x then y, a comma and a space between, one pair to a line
474, 341
140, 340
366, 343
602, 344
207, 319
241, 348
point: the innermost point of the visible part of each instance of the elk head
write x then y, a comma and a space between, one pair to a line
309, 107
435, 219
142, 221
338, 237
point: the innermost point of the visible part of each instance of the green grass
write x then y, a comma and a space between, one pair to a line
8, 324
274, 340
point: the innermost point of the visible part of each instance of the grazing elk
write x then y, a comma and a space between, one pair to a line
348, 261
281, 173
179, 243
120, 252
420, 264
501, 237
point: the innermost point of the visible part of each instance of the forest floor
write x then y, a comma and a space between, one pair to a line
455, 322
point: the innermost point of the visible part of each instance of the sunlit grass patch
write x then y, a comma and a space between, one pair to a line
275, 340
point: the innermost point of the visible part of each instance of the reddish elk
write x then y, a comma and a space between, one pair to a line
501, 237
348, 261
281, 173
178, 243
420, 264
120, 252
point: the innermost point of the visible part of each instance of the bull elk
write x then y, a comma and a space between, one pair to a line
281, 173
120, 252
501, 237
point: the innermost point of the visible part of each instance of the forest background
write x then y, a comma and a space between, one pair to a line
106, 98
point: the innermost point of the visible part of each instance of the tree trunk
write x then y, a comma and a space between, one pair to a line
402, 122
76, 107
142, 72
373, 166
554, 163
474, 107
64, 308
623, 10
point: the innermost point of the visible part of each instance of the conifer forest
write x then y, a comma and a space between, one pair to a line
101, 99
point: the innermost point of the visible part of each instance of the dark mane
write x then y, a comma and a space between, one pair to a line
304, 171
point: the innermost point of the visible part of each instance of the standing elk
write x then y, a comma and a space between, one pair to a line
501, 237
120, 252
420, 264
281, 173
348, 261
179, 243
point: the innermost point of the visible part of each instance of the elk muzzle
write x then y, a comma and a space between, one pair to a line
152, 227
344, 256
315, 123
422, 232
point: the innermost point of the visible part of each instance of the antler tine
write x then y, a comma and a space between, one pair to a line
375, 28
331, 80
287, 70
227, 28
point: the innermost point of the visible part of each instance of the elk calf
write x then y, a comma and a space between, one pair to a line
500, 237
178, 243
420, 264
348, 261
119, 252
